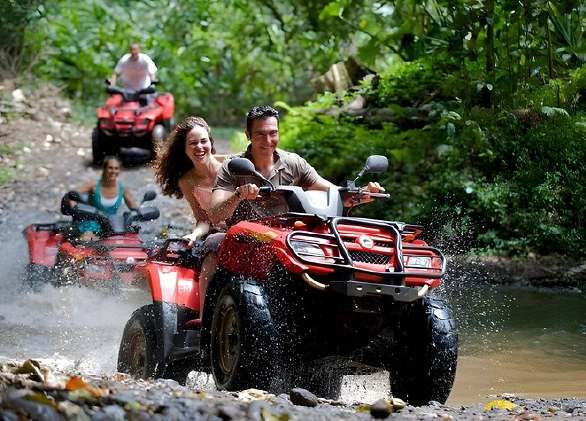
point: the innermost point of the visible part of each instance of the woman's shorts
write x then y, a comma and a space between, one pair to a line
212, 243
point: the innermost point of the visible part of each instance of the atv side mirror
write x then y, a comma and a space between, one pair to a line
149, 195
376, 164
243, 166
149, 213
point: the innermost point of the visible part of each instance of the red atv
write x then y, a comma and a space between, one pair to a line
58, 256
300, 300
131, 119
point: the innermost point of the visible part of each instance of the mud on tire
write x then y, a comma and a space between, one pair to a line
244, 347
139, 351
425, 352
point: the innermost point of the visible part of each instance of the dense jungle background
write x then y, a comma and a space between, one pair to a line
479, 105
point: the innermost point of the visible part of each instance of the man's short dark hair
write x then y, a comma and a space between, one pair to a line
263, 111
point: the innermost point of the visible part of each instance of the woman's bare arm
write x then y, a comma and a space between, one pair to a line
128, 199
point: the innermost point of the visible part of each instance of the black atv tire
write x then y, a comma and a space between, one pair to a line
139, 351
102, 147
423, 363
244, 342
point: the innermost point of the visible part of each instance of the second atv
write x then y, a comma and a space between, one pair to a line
58, 256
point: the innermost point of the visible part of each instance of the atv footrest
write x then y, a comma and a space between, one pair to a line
186, 339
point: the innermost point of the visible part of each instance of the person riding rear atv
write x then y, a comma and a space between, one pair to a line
105, 193
137, 69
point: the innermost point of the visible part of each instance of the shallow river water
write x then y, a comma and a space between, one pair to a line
528, 342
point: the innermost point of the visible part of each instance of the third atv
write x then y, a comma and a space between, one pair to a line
132, 119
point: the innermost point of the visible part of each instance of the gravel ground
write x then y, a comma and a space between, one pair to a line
31, 391
54, 157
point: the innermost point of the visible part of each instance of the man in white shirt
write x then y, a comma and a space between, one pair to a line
137, 69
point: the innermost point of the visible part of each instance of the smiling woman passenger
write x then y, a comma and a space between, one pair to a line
187, 167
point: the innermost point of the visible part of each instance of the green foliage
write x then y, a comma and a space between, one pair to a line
508, 182
523, 194
9, 164
15, 18
216, 67
486, 98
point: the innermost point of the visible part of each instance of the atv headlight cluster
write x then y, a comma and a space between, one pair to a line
307, 249
417, 261
143, 123
96, 268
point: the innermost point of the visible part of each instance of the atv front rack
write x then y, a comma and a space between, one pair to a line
368, 256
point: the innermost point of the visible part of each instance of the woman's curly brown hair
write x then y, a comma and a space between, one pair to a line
171, 162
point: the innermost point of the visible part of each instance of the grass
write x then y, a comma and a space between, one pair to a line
6, 169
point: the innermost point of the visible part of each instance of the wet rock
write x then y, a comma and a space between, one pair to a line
110, 413
380, 409
303, 397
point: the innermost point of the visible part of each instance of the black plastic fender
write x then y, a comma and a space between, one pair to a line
168, 318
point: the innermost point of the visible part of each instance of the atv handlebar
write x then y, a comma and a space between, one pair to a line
111, 224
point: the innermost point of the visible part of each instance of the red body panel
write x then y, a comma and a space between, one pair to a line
93, 264
172, 283
167, 102
43, 245
266, 244
133, 119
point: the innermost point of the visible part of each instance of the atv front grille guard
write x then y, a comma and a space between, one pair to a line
392, 256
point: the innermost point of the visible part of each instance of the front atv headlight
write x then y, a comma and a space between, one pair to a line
143, 124
423, 262
307, 249
95, 268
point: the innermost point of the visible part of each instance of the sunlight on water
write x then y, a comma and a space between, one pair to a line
526, 341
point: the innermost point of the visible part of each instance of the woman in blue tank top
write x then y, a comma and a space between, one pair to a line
106, 194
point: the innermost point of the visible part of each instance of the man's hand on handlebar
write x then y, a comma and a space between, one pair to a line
366, 194
247, 192
374, 187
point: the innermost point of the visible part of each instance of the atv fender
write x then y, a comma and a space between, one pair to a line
174, 344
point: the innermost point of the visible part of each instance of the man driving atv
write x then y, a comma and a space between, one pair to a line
233, 202
137, 69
